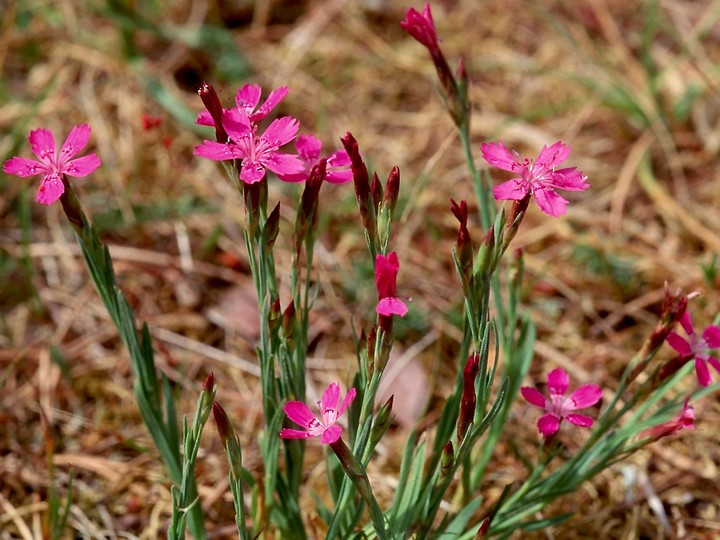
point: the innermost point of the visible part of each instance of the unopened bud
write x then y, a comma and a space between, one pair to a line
271, 228
212, 103
289, 321
382, 421
362, 190
467, 403
222, 422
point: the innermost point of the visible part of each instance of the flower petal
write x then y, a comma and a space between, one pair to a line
687, 324
25, 167
569, 179
331, 434
300, 413
548, 424
81, 166
339, 177
50, 190
219, 151
679, 343
281, 131
285, 164
308, 148
205, 119
391, 305
550, 202
330, 398
42, 144
497, 155
714, 363
512, 190
247, 97
586, 395
579, 420
533, 396
702, 372
275, 97
251, 171
75, 141
349, 397
551, 156
711, 335
557, 381
287, 433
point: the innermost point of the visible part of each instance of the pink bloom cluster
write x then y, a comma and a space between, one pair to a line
326, 427
52, 165
697, 347
539, 178
558, 406
258, 153
386, 270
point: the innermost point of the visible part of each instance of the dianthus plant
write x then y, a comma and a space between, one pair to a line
441, 485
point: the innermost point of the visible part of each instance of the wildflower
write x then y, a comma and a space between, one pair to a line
53, 165
454, 89
697, 347
422, 27
246, 100
256, 153
539, 178
558, 406
308, 148
326, 427
684, 420
386, 269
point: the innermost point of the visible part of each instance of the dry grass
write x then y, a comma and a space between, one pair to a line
589, 73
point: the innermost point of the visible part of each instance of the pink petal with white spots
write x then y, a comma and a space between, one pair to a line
497, 155
25, 167
82, 166
51, 188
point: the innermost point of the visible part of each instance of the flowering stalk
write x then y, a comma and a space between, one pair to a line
231, 442
157, 407
186, 497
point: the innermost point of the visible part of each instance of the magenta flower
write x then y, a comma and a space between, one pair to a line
539, 178
326, 427
697, 347
256, 153
684, 420
422, 27
386, 270
53, 165
308, 148
247, 100
558, 406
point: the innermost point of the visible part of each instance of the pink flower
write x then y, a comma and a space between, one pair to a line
308, 148
256, 153
422, 27
326, 427
247, 100
558, 406
52, 165
539, 178
684, 420
386, 270
697, 347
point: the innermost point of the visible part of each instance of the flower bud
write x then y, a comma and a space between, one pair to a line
467, 403
271, 228
212, 103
